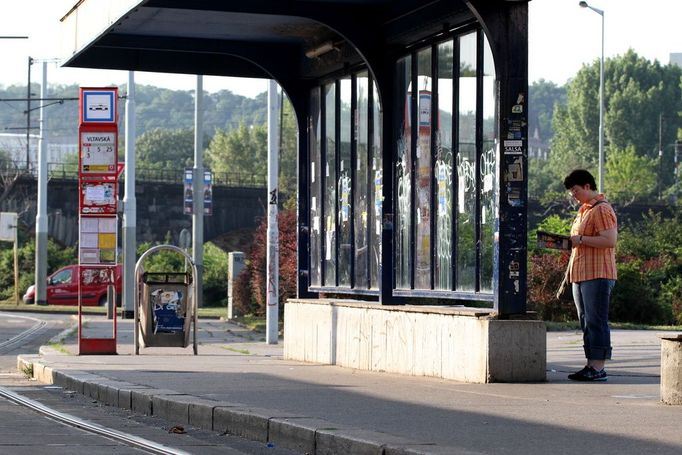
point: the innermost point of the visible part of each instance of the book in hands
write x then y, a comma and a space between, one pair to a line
553, 241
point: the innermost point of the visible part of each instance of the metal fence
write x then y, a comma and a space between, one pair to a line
69, 171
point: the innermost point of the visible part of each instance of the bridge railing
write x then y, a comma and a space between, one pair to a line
69, 171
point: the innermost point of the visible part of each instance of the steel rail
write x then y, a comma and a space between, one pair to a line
67, 419
33, 330
115, 435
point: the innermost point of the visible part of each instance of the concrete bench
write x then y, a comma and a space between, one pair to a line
671, 367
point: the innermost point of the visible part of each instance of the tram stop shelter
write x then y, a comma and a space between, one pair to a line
412, 164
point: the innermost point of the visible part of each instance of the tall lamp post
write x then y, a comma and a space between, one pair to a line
601, 96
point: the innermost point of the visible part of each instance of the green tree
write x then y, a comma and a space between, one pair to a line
638, 95
288, 152
628, 177
240, 151
543, 96
165, 149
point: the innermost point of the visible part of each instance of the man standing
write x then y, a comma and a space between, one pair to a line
592, 271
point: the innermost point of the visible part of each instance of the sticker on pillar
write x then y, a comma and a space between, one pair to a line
515, 129
513, 147
514, 172
514, 269
329, 231
514, 196
345, 199
518, 107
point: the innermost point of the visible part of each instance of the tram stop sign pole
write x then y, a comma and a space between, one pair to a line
98, 171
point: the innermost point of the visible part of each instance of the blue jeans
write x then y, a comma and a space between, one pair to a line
592, 299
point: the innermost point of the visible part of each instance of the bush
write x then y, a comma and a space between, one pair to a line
634, 297
545, 273
243, 301
256, 267
57, 257
215, 270
649, 286
215, 276
671, 294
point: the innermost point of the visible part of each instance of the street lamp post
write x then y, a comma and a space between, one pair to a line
601, 96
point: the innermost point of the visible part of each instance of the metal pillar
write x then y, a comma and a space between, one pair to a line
129, 205
272, 313
198, 191
41, 215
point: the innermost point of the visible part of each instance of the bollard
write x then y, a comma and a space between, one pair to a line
671, 368
111, 301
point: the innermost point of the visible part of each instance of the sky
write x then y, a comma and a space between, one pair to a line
562, 38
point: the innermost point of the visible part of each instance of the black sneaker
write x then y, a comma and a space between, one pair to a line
588, 374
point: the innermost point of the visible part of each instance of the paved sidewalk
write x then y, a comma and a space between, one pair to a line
249, 388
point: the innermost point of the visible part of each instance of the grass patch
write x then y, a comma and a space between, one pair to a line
212, 312
575, 325
58, 346
27, 370
562, 326
251, 322
239, 351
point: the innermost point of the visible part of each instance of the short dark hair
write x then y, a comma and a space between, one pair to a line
580, 177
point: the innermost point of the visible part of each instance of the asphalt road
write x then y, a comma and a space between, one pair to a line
25, 431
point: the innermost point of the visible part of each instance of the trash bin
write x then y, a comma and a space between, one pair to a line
165, 317
165, 305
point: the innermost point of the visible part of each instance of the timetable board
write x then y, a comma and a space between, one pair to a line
98, 238
98, 152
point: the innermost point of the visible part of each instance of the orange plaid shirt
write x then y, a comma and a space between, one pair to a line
589, 263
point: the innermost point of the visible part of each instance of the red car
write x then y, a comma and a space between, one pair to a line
62, 286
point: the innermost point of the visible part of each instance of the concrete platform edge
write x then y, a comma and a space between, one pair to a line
300, 433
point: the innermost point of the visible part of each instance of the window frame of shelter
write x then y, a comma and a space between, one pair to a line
471, 93
445, 175
342, 237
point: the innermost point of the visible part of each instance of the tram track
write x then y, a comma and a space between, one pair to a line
24, 338
19, 339
109, 433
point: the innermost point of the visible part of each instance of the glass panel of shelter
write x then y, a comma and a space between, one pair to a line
345, 182
488, 170
316, 216
376, 186
329, 209
345, 115
403, 176
445, 181
453, 171
361, 193
466, 164
443, 168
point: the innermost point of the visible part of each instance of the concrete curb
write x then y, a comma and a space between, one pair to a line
299, 433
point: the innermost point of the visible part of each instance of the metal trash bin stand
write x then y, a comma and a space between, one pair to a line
165, 305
